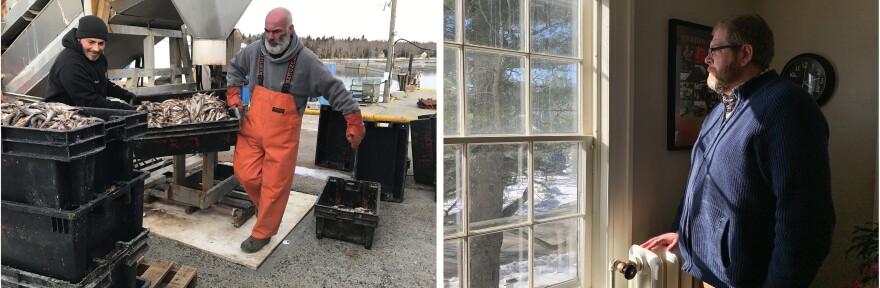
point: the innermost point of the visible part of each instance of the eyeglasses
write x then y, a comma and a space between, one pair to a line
712, 50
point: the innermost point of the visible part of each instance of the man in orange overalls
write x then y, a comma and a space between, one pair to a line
283, 75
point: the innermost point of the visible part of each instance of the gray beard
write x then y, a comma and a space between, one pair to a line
278, 49
713, 84
723, 83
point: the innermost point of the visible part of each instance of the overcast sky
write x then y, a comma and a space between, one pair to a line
417, 20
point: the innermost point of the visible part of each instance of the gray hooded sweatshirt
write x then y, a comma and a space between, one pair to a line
310, 77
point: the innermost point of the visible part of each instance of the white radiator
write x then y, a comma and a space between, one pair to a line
652, 269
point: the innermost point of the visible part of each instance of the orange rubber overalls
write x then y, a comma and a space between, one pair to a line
266, 149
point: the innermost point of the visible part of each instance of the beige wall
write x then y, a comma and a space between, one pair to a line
845, 33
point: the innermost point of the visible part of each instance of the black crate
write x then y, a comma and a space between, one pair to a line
381, 157
114, 162
58, 152
62, 244
122, 217
52, 144
125, 274
348, 210
121, 127
50, 137
424, 149
142, 282
106, 274
188, 138
119, 124
50, 183
332, 149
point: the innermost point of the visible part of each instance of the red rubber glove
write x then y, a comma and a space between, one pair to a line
355, 130
233, 98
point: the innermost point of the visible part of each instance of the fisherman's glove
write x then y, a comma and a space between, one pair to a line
233, 98
355, 130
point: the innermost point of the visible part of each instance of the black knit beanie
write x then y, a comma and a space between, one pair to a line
91, 27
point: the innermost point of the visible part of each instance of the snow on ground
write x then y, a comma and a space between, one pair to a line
562, 191
550, 269
453, 282
321, 174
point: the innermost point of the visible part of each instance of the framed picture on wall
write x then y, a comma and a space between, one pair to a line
689, 98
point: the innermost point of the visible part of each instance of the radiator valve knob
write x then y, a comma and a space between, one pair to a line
629, 271
627, 268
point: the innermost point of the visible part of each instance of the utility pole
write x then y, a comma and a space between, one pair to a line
390, 62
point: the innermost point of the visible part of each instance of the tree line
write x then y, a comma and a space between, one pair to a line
334, 48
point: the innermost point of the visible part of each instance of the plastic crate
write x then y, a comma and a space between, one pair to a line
381, 157
119, 124
126, 270
348, 210
187, 138
332, 149
50, 183
50, 137
114, 162
120, 127
52, 144
211, 141
106, 274
62, 244
122, 217
142, 282
424, 149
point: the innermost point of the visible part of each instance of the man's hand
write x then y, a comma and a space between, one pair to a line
355, 131
233, 98
669, 240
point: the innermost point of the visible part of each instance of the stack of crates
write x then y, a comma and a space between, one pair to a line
72, 205
381, 156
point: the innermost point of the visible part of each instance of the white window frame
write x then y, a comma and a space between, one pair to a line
605, 230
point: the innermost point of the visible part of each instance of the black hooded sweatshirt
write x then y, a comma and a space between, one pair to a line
76, 80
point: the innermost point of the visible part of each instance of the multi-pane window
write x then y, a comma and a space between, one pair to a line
515, 168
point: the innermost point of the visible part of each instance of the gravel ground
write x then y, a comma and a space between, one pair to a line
403, 252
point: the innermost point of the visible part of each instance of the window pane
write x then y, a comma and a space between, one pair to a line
554, 96
452, 204
556, 179
555, 27
499, 259
556, 252
449, 21
494, 23
497, 184
452, 263
495, 93
451, 60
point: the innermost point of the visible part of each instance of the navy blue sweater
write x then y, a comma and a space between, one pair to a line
76, 80
757, 211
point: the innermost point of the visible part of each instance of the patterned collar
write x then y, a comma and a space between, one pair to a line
730, 100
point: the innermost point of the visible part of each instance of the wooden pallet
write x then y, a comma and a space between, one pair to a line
164, 273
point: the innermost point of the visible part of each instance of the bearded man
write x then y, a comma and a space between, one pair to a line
757, 209
283, 74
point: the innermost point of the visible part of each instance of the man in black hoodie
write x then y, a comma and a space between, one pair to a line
79, 75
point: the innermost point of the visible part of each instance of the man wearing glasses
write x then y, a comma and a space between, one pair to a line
757, 209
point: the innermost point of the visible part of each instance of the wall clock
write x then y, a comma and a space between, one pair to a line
814, 73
